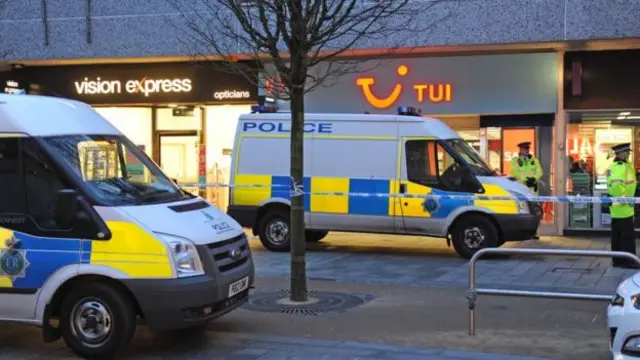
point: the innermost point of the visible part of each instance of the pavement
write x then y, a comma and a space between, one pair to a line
422, 261
417, 308
399, 322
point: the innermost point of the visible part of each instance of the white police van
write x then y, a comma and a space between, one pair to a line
405, 155
94, 235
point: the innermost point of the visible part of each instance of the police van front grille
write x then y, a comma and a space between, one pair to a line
230, 254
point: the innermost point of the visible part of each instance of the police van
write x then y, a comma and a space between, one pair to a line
95, 238
404, 155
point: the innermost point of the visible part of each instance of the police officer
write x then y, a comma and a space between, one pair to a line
526, 168
621, 182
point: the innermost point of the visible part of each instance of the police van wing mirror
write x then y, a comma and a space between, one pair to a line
66, 208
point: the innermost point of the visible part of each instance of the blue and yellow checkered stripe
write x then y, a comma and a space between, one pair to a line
353, 205
274, 186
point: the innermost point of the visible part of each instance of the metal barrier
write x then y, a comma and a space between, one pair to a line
472, 294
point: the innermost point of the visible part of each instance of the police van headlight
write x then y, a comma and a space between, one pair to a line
185, 256
523, 205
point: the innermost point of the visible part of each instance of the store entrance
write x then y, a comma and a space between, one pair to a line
590, 136
499, 139
496, 138
178, 156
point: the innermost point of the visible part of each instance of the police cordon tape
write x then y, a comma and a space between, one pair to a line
574, 199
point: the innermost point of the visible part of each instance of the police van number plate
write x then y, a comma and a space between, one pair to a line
238, 286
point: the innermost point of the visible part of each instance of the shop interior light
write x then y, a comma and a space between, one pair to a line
625, 113
621, 117
633, 117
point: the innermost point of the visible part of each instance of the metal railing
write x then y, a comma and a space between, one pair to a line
473, 292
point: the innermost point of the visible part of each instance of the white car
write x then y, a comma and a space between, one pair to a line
623, 319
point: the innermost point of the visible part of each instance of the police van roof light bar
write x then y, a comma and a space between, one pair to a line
261, 109
409, 111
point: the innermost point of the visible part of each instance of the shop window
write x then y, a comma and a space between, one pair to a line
99, 160
588, 158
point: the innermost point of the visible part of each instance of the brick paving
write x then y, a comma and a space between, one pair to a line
405, 262
18, 343
416, 261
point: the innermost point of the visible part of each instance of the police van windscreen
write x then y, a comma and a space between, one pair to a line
115, 170
469, 154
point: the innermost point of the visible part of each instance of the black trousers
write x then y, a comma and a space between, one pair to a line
623, 238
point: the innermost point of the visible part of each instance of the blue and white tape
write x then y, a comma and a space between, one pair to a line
575, 199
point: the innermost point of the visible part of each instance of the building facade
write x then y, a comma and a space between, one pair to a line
498, 72
602, 99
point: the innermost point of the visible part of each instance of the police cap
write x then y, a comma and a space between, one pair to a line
621, 148
525, 145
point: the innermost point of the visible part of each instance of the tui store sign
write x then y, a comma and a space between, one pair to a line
143, 83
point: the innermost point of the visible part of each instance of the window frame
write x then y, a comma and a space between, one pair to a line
437, 184
430, 183
25, 223
21, 172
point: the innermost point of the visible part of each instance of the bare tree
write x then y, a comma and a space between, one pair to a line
308, 43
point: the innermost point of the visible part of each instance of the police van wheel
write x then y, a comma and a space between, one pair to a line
472, 233
312, 236
97, 321
275, 231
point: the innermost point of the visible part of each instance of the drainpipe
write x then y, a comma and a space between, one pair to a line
45, 22
88, 21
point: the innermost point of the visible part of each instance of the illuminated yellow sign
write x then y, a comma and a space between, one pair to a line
434, 93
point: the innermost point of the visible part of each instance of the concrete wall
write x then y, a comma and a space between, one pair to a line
138, 28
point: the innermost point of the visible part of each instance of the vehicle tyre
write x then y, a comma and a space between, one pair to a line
472, 233
275, 231
315, 235
97, 321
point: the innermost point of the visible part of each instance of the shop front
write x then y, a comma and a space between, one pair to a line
602, 100
183, 115
492, 101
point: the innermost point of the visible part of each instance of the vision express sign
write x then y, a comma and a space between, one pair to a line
143, 83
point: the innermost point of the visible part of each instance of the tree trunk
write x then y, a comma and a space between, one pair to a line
298, 243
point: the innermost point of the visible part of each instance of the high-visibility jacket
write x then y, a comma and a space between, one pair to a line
524, 167
621, 181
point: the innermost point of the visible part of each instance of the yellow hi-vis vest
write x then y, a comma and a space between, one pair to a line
621, 181
523, 167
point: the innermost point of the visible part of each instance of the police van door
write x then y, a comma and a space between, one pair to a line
417, 174
33, 246
425, 169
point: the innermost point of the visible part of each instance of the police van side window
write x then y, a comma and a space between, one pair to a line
42, 183
12, 193
421, 162
430, 164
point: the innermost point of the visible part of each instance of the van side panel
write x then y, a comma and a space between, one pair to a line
27, 268
131, 250
360, 167
261, 168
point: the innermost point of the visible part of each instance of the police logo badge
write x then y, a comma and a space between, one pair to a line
430, 205
13, 263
